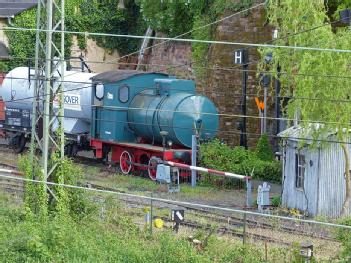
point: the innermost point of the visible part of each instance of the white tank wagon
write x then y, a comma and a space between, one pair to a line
17, 93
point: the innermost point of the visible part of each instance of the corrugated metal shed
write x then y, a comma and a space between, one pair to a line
10, 8
323, 190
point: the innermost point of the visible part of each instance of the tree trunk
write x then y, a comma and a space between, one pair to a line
346, 203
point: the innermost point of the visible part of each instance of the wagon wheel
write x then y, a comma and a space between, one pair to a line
153, 162
71, 150
18, 143
125, 162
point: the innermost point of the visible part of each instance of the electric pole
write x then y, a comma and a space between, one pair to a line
47, 123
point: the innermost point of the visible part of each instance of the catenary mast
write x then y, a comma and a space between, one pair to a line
49, 84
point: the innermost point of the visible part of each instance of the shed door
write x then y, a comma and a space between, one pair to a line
300, 183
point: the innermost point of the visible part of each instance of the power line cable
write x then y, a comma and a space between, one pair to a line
287, 36
246, 44
141, 87
238, 69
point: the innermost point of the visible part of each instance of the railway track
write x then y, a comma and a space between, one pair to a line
231, 232
232, 223
8, 185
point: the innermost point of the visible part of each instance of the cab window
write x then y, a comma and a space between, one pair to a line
123, 93
99, 91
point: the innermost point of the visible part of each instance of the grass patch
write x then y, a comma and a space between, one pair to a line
112, 237
92, 170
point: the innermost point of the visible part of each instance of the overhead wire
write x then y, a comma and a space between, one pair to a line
238, 95
187, 40
195, 29
227, 17
238, 69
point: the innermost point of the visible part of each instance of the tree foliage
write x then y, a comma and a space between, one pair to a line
305, 71
319, 80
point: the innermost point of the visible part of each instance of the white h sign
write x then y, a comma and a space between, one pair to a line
241, 56
238, 57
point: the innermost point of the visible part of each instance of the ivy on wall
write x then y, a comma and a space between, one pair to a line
22, 43
104, 16
81, 15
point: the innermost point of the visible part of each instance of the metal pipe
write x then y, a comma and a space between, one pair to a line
193, 159
9, 21
265, 110
277, 106
248, 192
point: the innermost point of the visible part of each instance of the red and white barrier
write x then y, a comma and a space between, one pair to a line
206, 170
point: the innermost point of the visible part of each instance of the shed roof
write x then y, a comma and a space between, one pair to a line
297, 133
118, 75
10, 8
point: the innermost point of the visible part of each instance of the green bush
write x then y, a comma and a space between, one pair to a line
344, 236
112, 237
276, 201
238, 160
263, 149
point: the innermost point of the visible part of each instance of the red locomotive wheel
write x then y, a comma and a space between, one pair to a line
153, 162
125, 162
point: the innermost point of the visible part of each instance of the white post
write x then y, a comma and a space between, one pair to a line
193, 159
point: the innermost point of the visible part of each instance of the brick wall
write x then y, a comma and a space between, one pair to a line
224, 87
171, 57
98, 58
